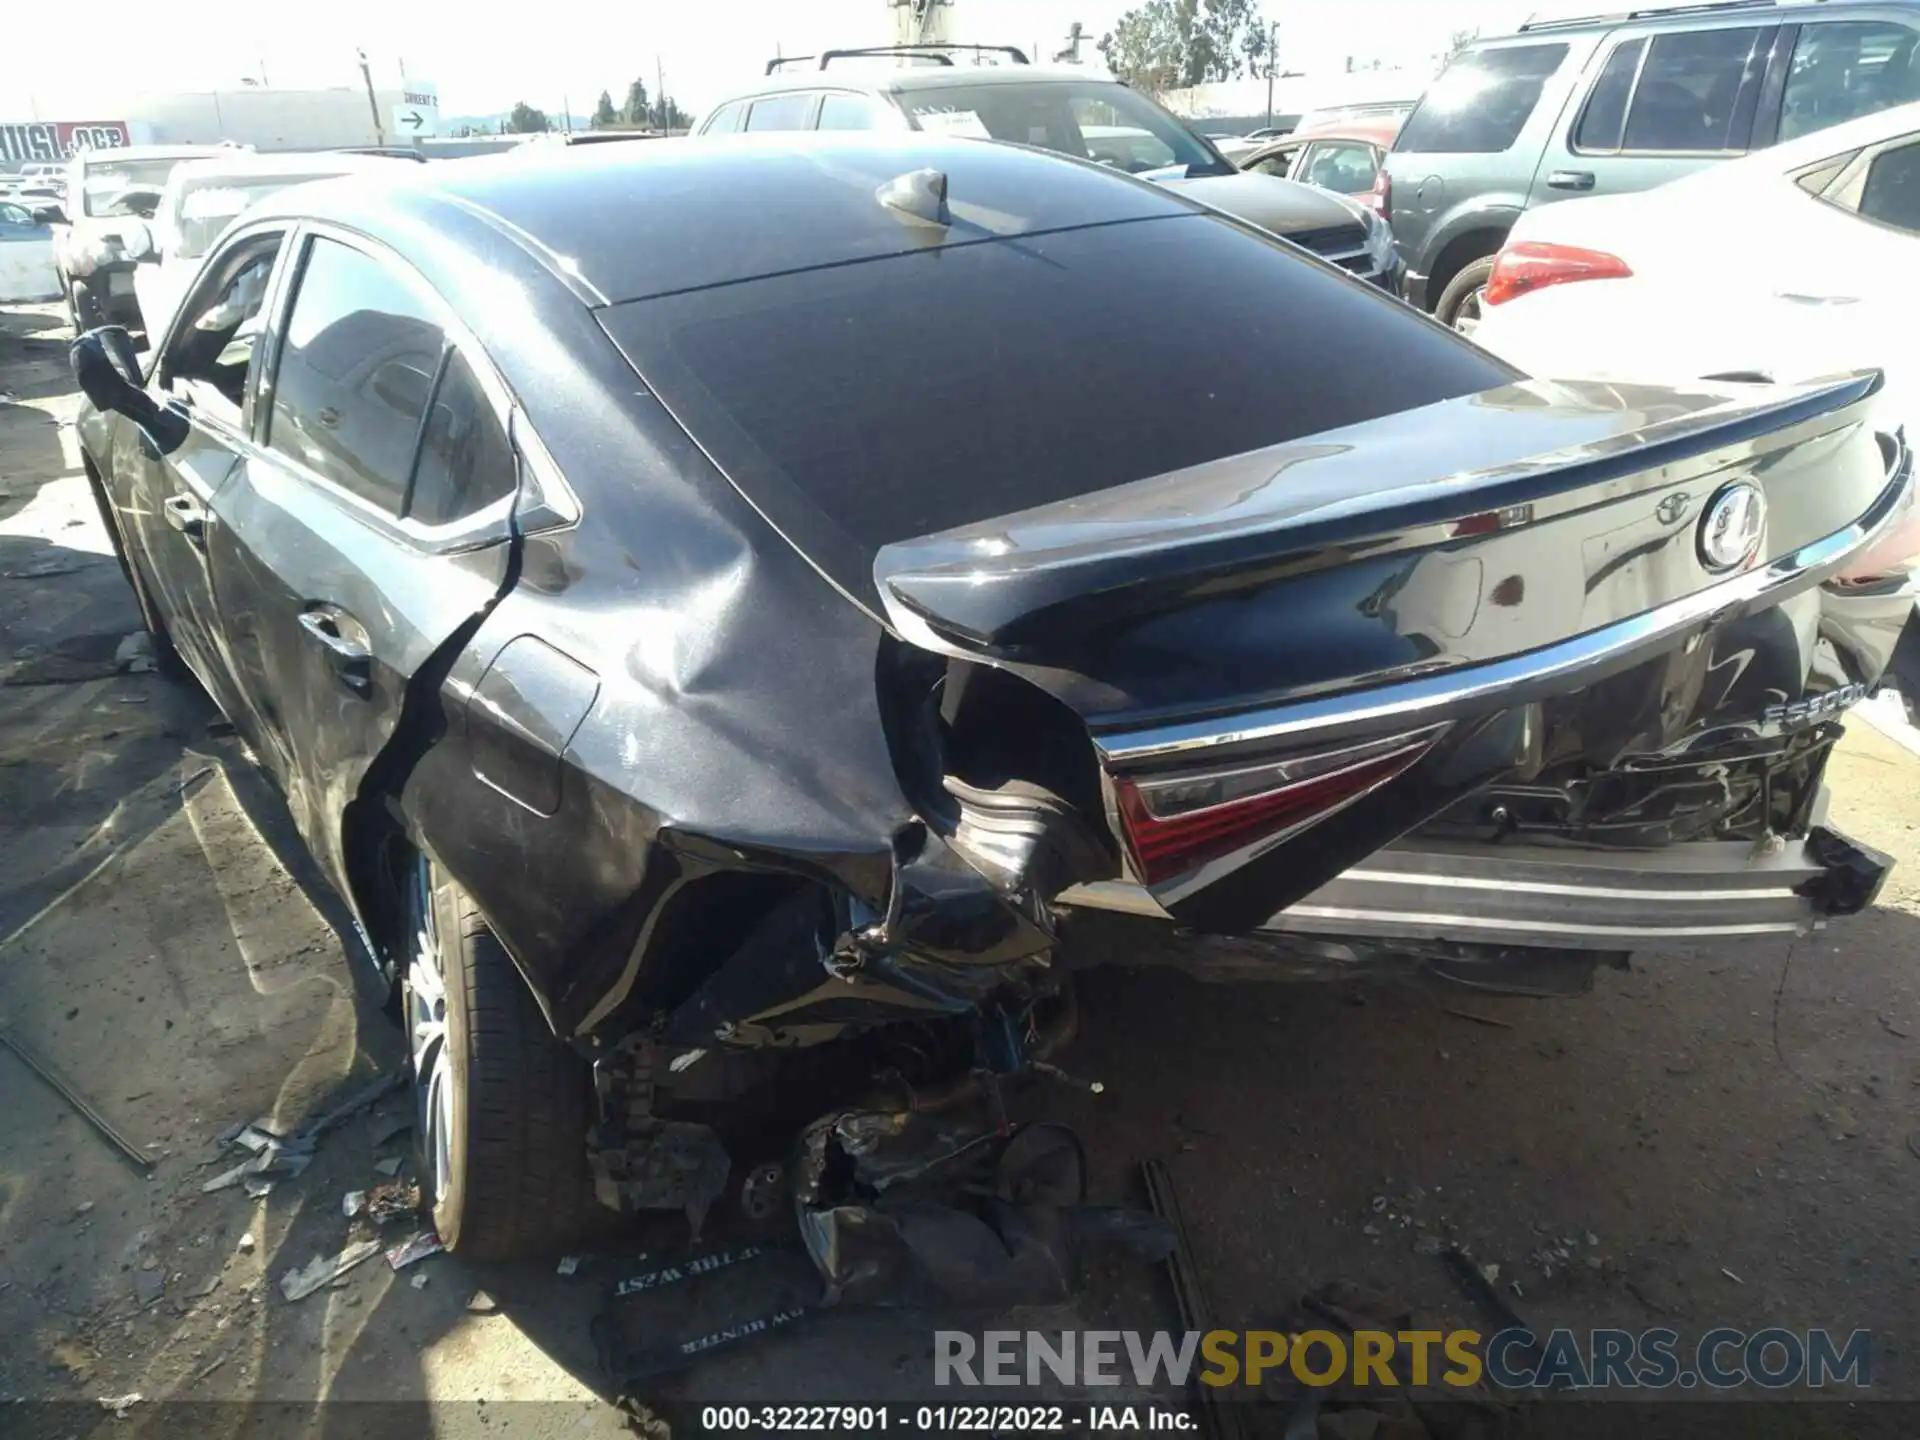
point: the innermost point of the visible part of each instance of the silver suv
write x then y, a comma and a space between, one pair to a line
1069, 111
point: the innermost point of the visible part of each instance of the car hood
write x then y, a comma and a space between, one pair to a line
1284, 207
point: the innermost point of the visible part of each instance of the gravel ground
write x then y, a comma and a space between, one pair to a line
1721, 1138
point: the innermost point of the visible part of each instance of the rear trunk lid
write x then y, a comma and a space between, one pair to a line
1288, 659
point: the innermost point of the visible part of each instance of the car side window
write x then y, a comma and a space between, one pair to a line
356, 368
1843, 69
214, 345
1605, 116
849, 112
1343, 166
725, 120
1697, 91
1275, 164
780, 112
14, 215
1892, 191
466, 461
1482, 100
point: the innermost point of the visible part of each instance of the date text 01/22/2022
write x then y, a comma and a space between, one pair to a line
935, 1419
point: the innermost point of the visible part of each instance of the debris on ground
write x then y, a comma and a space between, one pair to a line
416, 1248
148, 1286
1477, 1285
388, 1166
325, 1269
83, 1208
396, 1200
482, 1303
390, 1129
64, 1088
268, 1154
121, 1404
568, 1264
352, 1203
246, 1243
134, 654
419, 1282
358, 1101
1731, 1276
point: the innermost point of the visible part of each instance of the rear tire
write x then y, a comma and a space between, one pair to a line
502, 1108
1460, 303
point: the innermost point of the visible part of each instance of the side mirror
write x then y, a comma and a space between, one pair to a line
49, 215
107, 386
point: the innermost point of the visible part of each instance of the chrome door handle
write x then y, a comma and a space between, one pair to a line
1571, 180
186, 514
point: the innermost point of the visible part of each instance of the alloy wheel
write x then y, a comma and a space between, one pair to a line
427, 1038
1466, 319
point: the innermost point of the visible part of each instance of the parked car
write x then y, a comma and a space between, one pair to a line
714, 678
201, 198
109, 192
1618, 104
1066, 110
1341, 156
27, 271
1792, 263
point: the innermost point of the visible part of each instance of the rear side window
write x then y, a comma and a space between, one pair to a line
849, 112
465, 460
355, 372
1697, 91
1605, 117
939, 388
726, 119
1843, 69
1481, 102
780, 112
1274, 164
1345, 166
1892, 193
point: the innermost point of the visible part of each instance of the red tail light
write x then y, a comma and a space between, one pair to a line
1176, 823
1380, 198
1535, 264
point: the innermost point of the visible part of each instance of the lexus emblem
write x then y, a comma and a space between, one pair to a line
1733, 526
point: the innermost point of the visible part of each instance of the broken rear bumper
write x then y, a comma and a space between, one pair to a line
1558, 897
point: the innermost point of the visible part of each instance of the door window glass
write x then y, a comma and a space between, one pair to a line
1892, 193
780, 112
465, 460
14, 215
356, 368
849, 112
1481, 101
1605, 117
1274, 164
1345, 166
214, 344
1697, 91
1843, 69
726, 119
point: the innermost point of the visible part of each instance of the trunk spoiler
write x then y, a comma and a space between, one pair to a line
1439, 474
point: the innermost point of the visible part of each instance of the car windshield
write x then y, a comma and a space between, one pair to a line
205, 212
1094, 120
109, 180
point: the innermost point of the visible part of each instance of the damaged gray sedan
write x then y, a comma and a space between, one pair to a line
717, 610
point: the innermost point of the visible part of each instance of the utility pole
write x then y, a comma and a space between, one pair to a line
1273, 66
373, 105
566, 115
660, 89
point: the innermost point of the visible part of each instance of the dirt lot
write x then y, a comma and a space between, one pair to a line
1724, 1138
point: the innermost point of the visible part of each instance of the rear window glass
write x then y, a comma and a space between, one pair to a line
912, 394
1481, 101
1843, 69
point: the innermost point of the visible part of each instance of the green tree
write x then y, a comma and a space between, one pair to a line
524, 119
604, 114
1170, 44
667, 115
635, 112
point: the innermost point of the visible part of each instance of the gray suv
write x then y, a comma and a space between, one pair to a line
1074, 112
1619, 103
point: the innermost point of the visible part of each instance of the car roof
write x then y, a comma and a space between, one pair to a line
1372, 130
242, 164
1689, 15
159, 152
881, 78
626, 222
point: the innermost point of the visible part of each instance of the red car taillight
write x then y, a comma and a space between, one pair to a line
1176, 823
1535, 264
1380, 198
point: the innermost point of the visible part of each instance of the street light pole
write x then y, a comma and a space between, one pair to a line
1273, 65
373, 105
